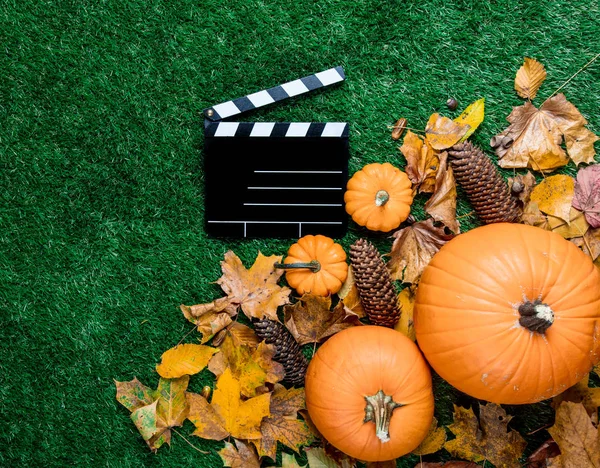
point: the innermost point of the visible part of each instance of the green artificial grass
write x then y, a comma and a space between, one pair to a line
101, 221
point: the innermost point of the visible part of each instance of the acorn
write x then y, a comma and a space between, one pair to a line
452, 104
398, 129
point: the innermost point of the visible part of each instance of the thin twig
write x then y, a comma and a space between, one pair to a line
545, 426
192, 445
186, 335
574, 75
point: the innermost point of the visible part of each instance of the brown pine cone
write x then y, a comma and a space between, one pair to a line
483, 184
287, 350
374, 283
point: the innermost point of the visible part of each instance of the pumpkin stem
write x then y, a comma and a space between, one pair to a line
381, 198
313, 265
379, 409
536, 316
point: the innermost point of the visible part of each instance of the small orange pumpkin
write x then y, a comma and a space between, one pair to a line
315, 264
379, 197
509, 313
368, 392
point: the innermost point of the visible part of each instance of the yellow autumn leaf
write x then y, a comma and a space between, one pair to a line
442, 132
406, 304
434, 440
554, 196
472, 116
529, 78
185, 359
240, 418
576, 227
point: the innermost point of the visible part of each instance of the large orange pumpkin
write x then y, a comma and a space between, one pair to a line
368, 391
509, 313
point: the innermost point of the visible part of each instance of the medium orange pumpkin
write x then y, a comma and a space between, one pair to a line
368, 392
509, 313
316, 265
379, 197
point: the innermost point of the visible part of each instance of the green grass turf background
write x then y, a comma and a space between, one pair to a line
101, 220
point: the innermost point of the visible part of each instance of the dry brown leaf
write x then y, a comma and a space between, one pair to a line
539, 458
413, 248
441, 206
244, 457
576, 436
589, 397
282, 425
255, 290
449, 464
576, 227
442, 132
534, 217
596, 369
554, 195
184, 359
434, 440
534, 137
210, 318
488, 439
406, 305
242, 335
521, 186
349, 296
422, 163
529, 78
251, 367
227, 413
310, 321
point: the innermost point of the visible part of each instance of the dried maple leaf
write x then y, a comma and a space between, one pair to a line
487, 440
282, 425
441, 206
587, 194
539, 458
244, 457
227, 414
155, 412
422, 163
210, 318
184, 359
406, 304
434, 440
576, 436
589, 397
310, 321
521, 186
413, 248
349, 296
554, 196
442, 132
251, 367
529, 78
534, 137
255, 290
472, 116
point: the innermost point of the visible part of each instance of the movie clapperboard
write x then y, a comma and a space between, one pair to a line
273, 179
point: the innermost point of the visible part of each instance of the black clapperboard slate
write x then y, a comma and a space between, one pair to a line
273, 179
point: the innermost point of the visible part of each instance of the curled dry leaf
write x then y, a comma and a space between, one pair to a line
554, 196
587, 194
441, 206
488, 439
576, 436
539, 458
472, 116
442, 132
227, 414
434, 440
251, 367
534, 137
589, 243
406, 304
283, 425
310, 321
184, 359
422, 162
413, 248
244, 457
521, 186
529, 78
349, 296
210, 318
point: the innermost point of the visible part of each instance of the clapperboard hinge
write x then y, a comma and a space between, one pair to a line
288, 177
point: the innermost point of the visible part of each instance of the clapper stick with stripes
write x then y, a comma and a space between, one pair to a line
274, 179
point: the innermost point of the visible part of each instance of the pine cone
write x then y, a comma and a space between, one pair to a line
485, 187
374, 283
287, 349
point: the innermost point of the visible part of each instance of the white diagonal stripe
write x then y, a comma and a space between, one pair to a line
295, 87
226, 109
333, 129
262, 129
328, 77
226, 129
297, 129
262, 98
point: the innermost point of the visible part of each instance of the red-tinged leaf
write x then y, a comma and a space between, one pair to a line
587, 194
